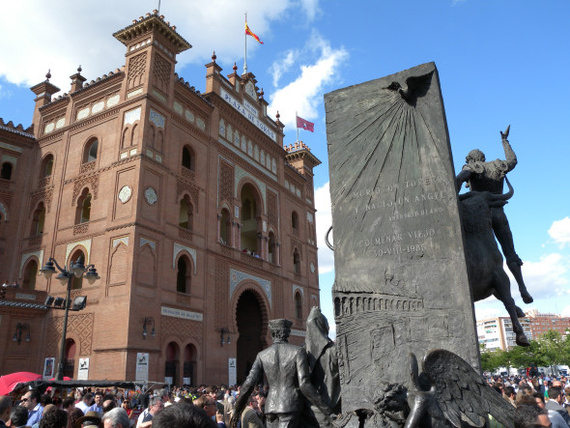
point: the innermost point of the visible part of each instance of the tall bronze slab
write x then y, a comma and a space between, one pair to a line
401, 280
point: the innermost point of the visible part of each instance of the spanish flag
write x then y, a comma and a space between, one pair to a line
251, 33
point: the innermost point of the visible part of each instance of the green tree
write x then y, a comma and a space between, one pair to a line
493, 359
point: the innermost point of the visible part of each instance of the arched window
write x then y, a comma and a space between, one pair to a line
225, 227
6, 172
77, 283
90, 153
250, 218
298, 306
294, 220
183, 277
186, 214
296, 261
47, 166
188, 158
30, 275
38, 220
83, 210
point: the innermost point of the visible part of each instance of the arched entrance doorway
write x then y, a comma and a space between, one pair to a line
69, 360
189, 375
171, 363
251, 330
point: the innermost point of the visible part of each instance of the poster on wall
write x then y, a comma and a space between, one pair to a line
142, 367
48, 368
232, 371
83, 371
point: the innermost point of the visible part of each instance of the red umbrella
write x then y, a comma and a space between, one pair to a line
9, 382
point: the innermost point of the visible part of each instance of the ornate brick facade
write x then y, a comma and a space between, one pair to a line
184, 205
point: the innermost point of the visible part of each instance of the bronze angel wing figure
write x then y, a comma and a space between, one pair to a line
450, 391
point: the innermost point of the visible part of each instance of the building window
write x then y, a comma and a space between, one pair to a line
6, 172
298, 306
250, 226
83, 213
272, 249
225, 227
185, 213
294, 220
38, 220
297, 261
188, 158
30, 275
47, 166
90, 153
183, 278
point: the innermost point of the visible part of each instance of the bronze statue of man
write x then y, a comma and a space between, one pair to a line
287, 371
484, 176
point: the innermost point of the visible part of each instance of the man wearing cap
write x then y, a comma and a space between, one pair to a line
91, 419
287, 371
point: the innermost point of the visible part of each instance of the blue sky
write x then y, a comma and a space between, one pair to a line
500, 62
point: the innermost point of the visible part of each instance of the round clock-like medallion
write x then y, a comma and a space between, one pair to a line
150, 195
250, 90
125, 194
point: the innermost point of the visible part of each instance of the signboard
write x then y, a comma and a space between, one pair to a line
142, 366
168, 380
83, 371
232, 371
180, 313
49, 364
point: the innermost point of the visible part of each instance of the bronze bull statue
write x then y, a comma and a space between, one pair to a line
484, 260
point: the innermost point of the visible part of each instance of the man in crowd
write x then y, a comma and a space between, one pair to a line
85, 402
98, 405
19, 417
554, 403
5, 407
208, 404
31, 401
530, 416
116, 418
68, 404
155, 406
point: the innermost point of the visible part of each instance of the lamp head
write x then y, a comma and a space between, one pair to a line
48, 270
78, 267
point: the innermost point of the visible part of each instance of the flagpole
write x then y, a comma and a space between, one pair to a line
297, 126
245, 47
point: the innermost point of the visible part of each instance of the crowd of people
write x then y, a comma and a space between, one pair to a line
539, 401
204, 406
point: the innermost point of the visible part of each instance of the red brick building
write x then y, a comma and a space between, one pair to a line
540, 323
199, 221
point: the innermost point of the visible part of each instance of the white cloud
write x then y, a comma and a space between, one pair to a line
279, 68
547, 278
324, 221
311, 8
303, 95
60, 36
560, 231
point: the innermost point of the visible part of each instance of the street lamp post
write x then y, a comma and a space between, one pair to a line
66, 277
